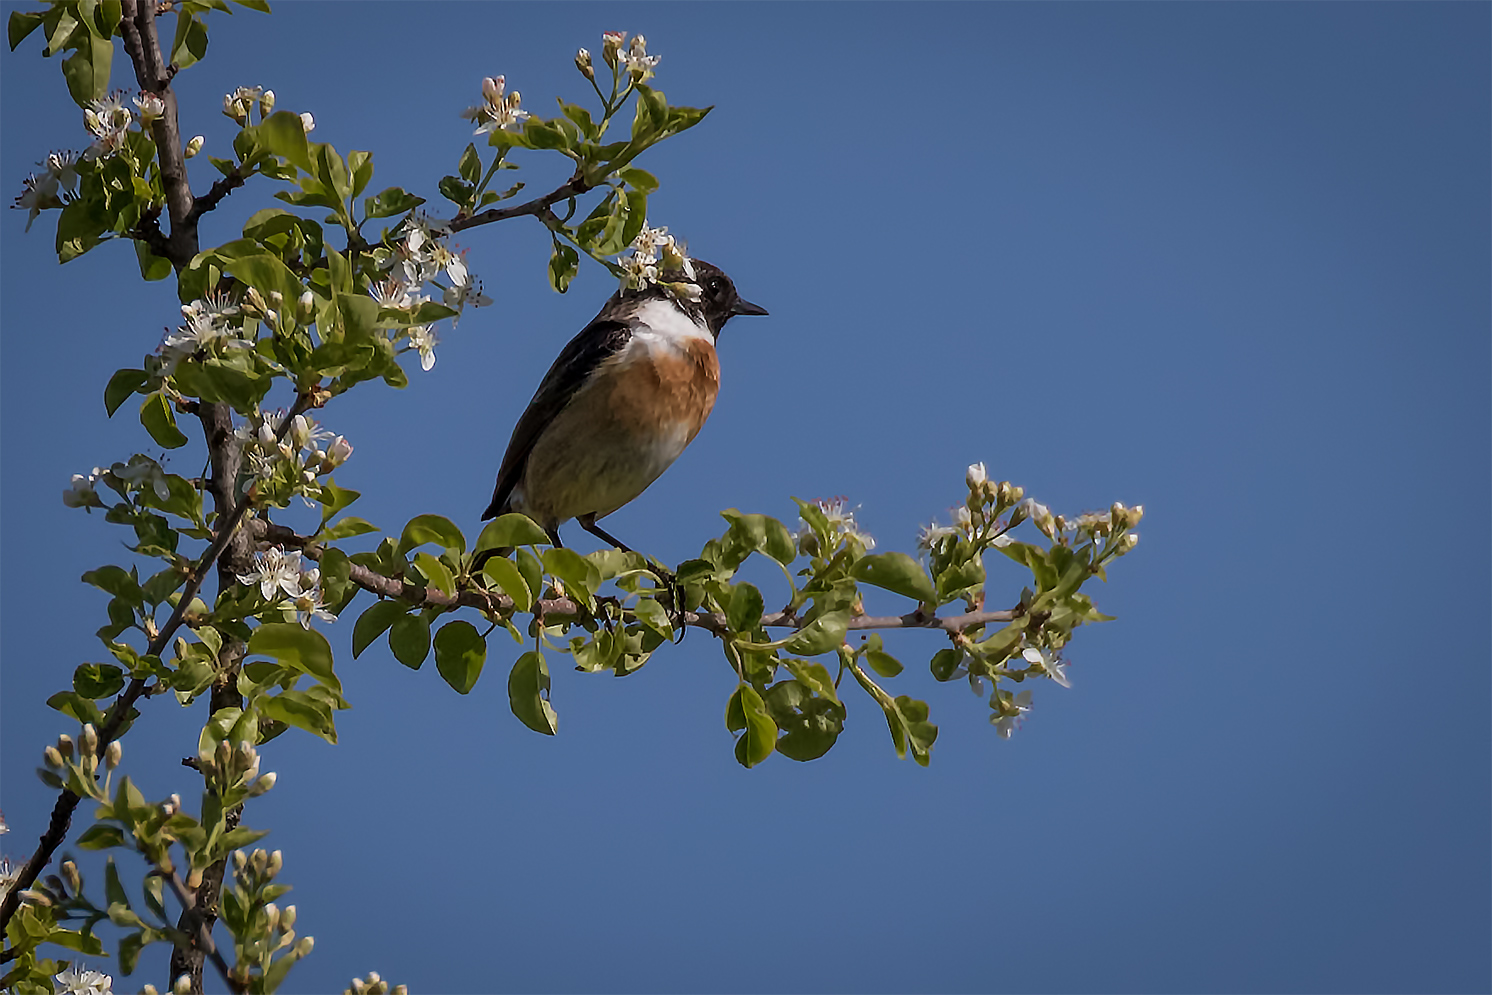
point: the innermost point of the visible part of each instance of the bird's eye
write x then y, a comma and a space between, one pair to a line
715, 285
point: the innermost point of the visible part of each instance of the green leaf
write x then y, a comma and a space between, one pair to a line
87, 69
117, 581
453, 189
505, 574
564, 263
823, 634
344, 528
744, 612
113, 887
436, 573
763, 533
509, 530
896, 572
880, 661
190, 43
409, 638
299, 709
98, 680
944, 663
160, 421
21, 24
460, 652
470, 166
638, 179
152, 267
121, 385
745, 713
431, 528
78, 707
390, 202
297, 647
528, 694
573, 569
810, 724
101, 837
283, 134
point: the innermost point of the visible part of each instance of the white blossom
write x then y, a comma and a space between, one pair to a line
82, 492
307, 122
976, 476
80, 981
1009, 723
150, 105
929, 535
637, 60
423, 339
142, 472
275, 569
108, 121
1047, 661
497, 111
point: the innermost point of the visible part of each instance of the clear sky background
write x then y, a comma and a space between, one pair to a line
1229, 261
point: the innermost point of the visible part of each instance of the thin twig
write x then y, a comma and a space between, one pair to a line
573, 187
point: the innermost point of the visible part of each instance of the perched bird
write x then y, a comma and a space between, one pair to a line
620, 403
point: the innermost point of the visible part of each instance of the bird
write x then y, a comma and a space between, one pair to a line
622, 401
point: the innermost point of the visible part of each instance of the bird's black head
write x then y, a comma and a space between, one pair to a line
718, 301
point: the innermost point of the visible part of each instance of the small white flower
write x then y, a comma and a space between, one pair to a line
275, 570
963, 519
151, 106
307, 122
80, 981
309, 604
108, 121
142, 472
451, 262
638, 272
1009, 723
976, 476
929, 535
497, 111
1047, 661
424, 339
81, 493
650, 242
391, 293
842, 521
337, 453
9, 874
637, 60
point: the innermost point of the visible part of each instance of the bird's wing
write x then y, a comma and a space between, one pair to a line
596, 342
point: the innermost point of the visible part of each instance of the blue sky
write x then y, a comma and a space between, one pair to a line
1229, 261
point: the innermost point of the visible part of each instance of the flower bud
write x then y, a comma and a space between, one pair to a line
305, 946
306, 305
182, 985
611, 44
33, 897
259, 860
260, 786
240, 860
193, 147
400, 990
276, 859
113, 754
51, 757
272, 913
358, 987
338, 452
222, 756
70, 874
149, 990
583, 63
1131, 540
89, 740
287, 918
266, 104
976, 476
65, 745
194, 878
1135, 514
307, 122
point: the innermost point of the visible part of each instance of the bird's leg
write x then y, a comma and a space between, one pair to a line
675, 592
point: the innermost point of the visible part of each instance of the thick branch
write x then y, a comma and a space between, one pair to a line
203, 939
497, 605
154, 75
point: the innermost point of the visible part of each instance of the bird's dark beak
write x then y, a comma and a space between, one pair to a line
746, 307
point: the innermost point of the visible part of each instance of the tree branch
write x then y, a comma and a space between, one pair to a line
62, 811
573, 187
204, 941
496, 605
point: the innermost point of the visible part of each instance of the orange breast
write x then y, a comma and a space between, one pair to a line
667, 387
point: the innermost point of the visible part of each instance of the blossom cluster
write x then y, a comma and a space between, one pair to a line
634, 60
654, 254
213, 321
420, 257
842, 529
278, 572
140, 473
298, 458
499, 110
55, 186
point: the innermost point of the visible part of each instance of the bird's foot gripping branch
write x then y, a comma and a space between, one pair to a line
234, 571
